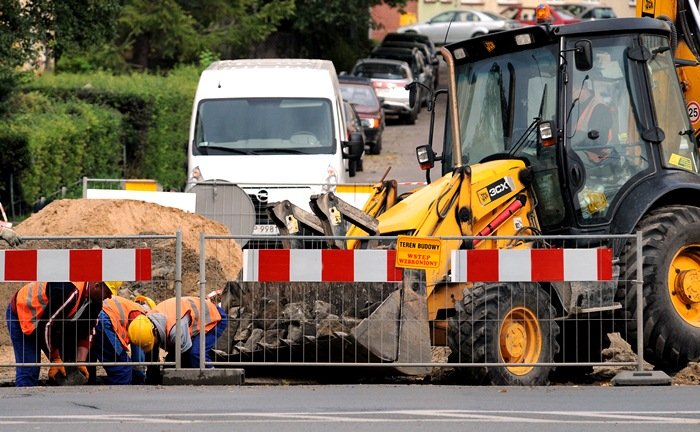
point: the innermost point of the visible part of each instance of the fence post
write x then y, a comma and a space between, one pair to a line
640, 302
85, 185
178, 297
202, 288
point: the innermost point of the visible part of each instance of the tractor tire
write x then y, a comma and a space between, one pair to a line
504, 323
671, 290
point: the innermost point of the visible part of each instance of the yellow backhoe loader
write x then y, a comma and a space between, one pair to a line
577, 130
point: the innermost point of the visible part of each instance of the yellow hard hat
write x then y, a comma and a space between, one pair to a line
141, 333
114, 286
145, 301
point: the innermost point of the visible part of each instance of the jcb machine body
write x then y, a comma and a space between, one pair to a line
579, 130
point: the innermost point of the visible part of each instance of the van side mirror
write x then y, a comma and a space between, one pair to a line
355, 147
583, 55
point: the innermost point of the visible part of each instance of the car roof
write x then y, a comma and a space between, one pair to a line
382, 60
352, 79
410, 36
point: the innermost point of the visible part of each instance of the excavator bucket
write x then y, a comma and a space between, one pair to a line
397, 331
321, 322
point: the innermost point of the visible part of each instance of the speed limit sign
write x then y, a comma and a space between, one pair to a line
693, 111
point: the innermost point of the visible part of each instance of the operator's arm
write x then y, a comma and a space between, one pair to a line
602, 121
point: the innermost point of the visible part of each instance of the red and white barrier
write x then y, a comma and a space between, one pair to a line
531, 265
487, 265
75, 265
319, 265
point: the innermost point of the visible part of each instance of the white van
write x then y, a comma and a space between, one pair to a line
275, 127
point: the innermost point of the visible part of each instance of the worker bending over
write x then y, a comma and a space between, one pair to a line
111, 341
157, 329
54, 317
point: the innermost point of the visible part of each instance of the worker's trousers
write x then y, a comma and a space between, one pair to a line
106, 347
190, 358
27, 350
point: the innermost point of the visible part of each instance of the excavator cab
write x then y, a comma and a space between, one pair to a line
608, 92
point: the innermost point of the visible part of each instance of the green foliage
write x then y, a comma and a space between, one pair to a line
155, 116
159, 35
54, 144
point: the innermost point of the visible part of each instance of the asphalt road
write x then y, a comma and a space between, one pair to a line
350, 408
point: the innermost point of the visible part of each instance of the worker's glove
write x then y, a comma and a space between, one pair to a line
84, 371
57, 369
10, 236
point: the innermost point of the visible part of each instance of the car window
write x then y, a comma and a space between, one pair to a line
443, 17
510, 13
380, 71
359, 95
493, 16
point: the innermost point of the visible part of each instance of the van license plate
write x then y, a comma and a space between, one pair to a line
270, 229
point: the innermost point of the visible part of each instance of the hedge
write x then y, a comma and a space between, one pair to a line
155, 117
56, 143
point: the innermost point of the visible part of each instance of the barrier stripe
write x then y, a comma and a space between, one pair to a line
320, 265
75, 265
482, 265
531, 265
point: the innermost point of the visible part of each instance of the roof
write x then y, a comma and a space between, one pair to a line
272, 63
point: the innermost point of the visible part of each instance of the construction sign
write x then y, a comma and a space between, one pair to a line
417, 252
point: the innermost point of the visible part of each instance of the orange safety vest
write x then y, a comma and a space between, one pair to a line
584, 119
119, 309
31, 301
189, 305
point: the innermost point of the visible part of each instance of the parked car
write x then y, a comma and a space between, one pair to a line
353, 125
588, 12
389, 79
457, 25
433, 61
422, 71
527, 15
361, 94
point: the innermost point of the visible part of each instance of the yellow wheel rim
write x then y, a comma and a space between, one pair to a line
520, 339
684, 284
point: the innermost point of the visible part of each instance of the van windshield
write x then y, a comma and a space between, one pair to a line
264, 126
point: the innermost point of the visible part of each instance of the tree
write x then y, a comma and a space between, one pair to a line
334, 29
161, 34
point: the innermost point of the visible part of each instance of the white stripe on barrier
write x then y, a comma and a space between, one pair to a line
519, 266
305, 265
115, 264
53, 264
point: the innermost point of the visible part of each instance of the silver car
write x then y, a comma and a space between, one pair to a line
462, 24
389, 78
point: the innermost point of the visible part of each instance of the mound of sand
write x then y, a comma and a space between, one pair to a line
88, 217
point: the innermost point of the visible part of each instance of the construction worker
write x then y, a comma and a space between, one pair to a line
111, 341
9, 236
57, 318
157, 329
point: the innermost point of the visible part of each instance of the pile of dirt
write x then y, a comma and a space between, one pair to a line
83, 217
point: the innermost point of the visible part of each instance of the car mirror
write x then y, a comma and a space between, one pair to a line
583, 55
411, 93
